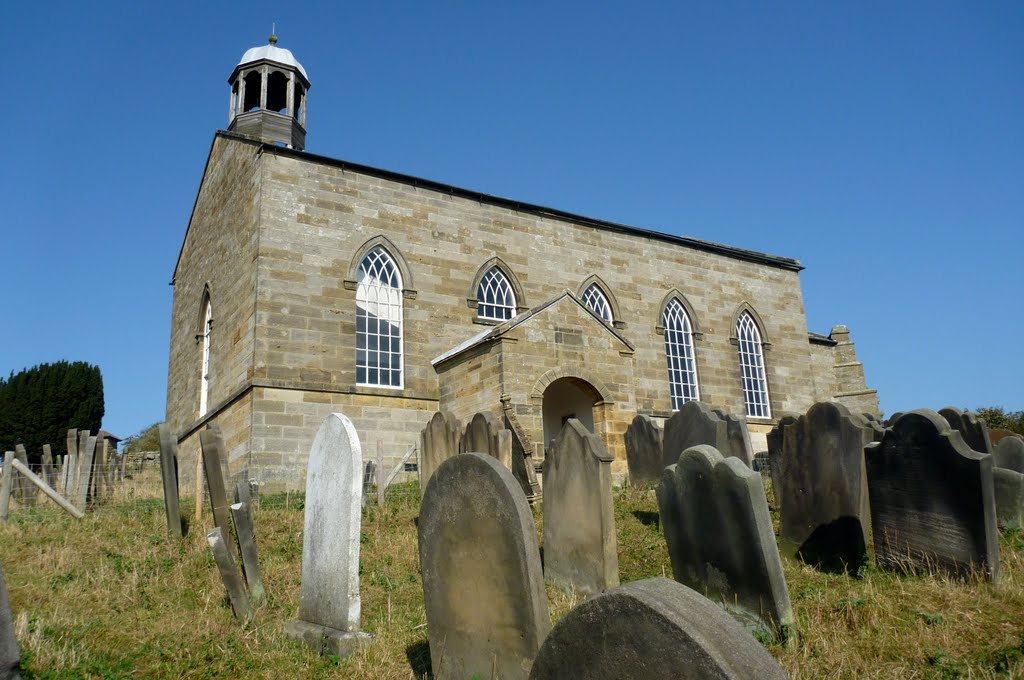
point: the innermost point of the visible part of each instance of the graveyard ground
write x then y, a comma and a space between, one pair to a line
111, 596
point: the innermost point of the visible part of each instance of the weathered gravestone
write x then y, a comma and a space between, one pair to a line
483, 589
644, 452
972, 428
329, 604
1009, 454
245, 534
484, 434
229, 574
739, 437
212, 446
439, 441
655, 629
169, 474
932, 501
775, 452
824, 512
695, 424
720, 539
998, 434
579, 518
10, 657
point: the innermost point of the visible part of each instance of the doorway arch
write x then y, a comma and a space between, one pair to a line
570, 397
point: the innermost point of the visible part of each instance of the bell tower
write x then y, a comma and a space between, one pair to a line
268, 96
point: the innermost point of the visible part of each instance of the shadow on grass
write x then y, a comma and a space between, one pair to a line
647, 518
418, 655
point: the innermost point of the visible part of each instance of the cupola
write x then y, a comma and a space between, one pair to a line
268, 96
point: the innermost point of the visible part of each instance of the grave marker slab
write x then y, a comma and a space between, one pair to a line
246, 536
579, 517
10, 656
655, 629
212, 446
720, 539
694, 424
229, 574
739, 437
483, 589
1009, 454
439, 441
824, 509
932, 499
329, 603
644, 452
169, 475
774, 439
972, 428
1008, 487
484, 434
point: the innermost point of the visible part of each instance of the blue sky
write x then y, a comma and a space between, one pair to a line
880, 143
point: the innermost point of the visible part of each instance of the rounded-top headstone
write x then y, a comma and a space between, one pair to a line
1009, 454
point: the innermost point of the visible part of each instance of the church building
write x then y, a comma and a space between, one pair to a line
308, 284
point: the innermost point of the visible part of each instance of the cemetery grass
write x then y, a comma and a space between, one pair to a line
111, 596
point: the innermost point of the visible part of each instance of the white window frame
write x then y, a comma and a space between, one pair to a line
752, 369
379, 333
204, 371
680, 356
597, 301
496, 299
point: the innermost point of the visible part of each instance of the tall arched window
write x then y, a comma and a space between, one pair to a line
682, 368
204, 385
495, 298
379, 321
595, 298
755, 385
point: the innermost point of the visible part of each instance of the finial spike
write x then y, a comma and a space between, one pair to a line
273, 33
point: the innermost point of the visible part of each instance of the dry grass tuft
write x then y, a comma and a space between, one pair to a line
110, 596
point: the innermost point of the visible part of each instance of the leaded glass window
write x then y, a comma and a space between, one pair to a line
204, 386
755, 385
495, 297
682, 367
595, 298
379, 321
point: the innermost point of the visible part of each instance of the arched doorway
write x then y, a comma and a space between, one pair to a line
568, 398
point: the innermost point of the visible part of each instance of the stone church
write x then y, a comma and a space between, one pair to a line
308, 284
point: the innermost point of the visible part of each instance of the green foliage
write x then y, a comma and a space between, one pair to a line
998, 417
147, 439
40, 404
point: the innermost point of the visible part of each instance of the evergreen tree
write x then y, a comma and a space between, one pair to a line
40, 404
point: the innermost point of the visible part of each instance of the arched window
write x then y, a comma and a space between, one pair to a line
682, 368
204, 385
495, 298
595, 298
755, 385
378, 321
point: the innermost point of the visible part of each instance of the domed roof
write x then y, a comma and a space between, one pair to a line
272, 53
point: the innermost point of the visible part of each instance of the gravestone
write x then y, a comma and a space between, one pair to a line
998, 434
932, 499
775, 452
694, 424
10, 657
1008, 487
824, 511
484, 434
972, 428
169, 475
212, 446
720, 539
739, 437
655, 629
229, 574
245, 534
644, 452
483, 589
439, 441
329, 604
1009, 454
579, 517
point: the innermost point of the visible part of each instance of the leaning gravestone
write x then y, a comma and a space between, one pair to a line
932, 499
484, 434
10, 657
169, 474
775, 452
972, 428
644, 452
655, 629
212, 445
720, 538
579, 518
694, 424
1009, 454
439, 441
824, 513
329, 604
739, 437
483, 589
